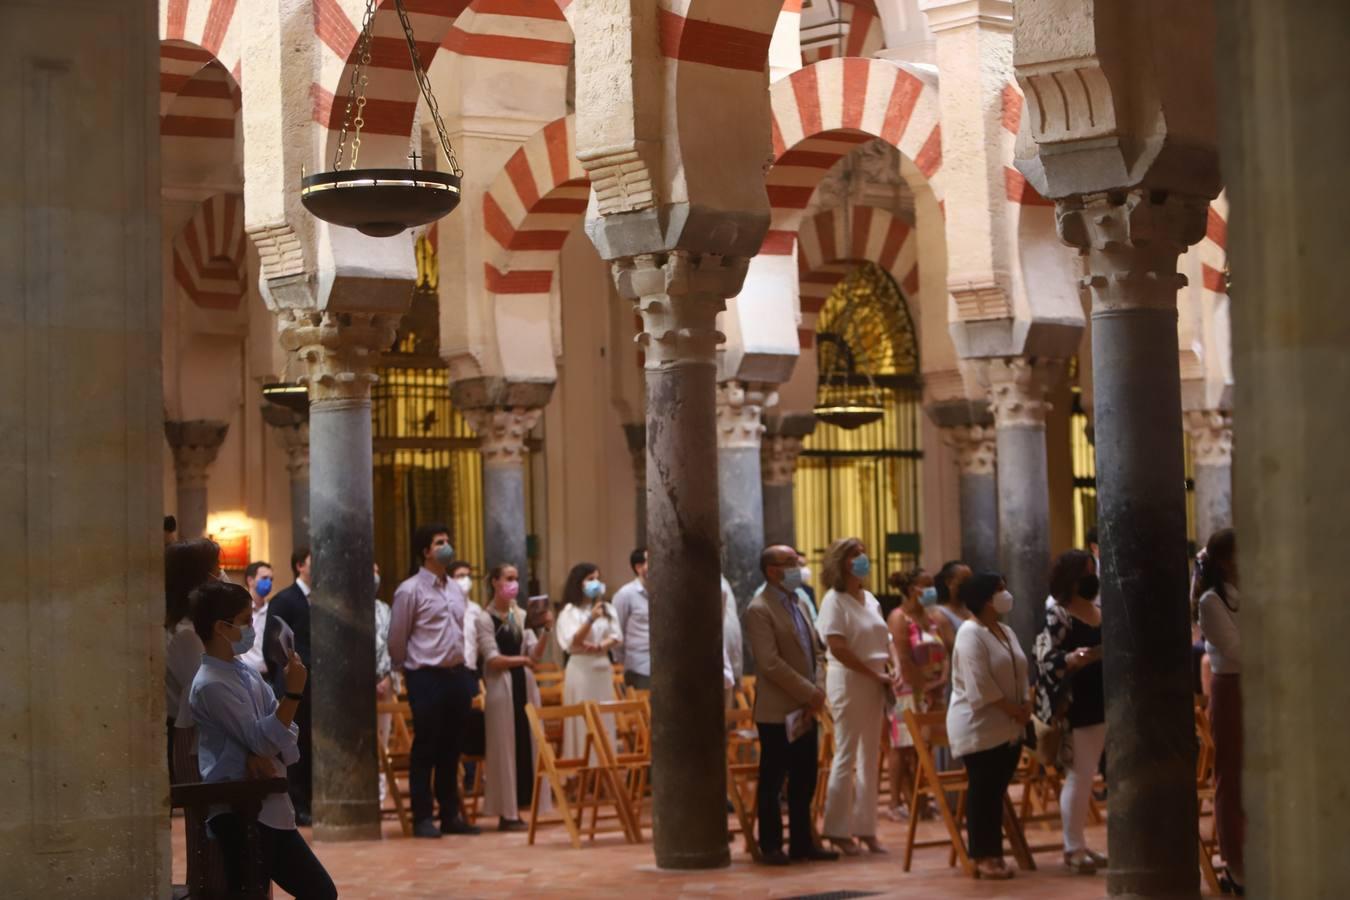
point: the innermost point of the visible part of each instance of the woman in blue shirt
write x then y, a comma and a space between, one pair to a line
243, 732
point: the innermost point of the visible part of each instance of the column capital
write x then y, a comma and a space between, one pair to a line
1211, 432
1017, 388
195, 444
976, 448
1132, 239
740, 413
778, 458
292, 431
678, 295
502, 432
339, 351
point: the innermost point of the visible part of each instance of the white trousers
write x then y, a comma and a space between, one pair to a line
1074, 799
857, 704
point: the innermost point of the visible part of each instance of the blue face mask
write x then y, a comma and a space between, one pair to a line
245, 642
929, 596
445, 555
862, 566
263, 586
792, 578
593, 589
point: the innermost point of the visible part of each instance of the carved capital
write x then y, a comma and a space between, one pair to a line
502, 432
339, 351
1017, 388
778, 458
679, 295
1132, 240
195, 444
740, 414
1211, 433
292, 431
976, 448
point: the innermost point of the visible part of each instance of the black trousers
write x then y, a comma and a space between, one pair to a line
637, 682
300, 773
287, 859
989, 772
795, 763
440, 700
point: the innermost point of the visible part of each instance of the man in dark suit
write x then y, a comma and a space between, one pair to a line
292, 607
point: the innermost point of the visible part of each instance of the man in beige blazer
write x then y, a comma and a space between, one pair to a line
789, 682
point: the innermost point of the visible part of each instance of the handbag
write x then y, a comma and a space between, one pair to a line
1046, 740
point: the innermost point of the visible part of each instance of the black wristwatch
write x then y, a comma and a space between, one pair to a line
291, 696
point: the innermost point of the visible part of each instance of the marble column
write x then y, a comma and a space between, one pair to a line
1017, 389
635, 433
338, 355
1131, 241
502, 433
976, 456
1211, 432
740, 427
292, 431
195, 444
679, 295
783, 437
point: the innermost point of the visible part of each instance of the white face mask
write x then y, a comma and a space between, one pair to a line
465, 583
806, 574
1003, 603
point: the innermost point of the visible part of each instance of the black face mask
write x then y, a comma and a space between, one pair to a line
1089, 586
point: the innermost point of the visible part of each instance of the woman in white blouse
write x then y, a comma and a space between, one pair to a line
588, 628
863, 671
988, 714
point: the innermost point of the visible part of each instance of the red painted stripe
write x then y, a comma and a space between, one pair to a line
540, 239
516, 49
829, 252
806, 338
1019, 190
840, 137
189, 54
445, 9
858, 29
778, 145
321, 103
526, 9
392, 53
910, 285
527, 282
496, 223
217, 24
894, 243
386, 117
929, 159
555, 141
170, 83
1012, 108
712, 43
904, 95
815, 159
790, 6
177, 20
806, 88
1216, 229
518, 170
782, 196
778, 243
862, 227
1213, 279
205, 88
196, 126
572, 206
855, 91
829, 279
813, 305
334, 28
194, 249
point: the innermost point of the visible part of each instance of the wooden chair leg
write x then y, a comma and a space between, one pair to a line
914, 796
534, 805
1018, 840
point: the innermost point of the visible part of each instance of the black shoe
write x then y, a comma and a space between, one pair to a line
426, 829
512, 825
303, 820
459, 826
776, 858
816, 854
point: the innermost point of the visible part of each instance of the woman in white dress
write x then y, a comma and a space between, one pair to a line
863, 672
587, 629
508, 678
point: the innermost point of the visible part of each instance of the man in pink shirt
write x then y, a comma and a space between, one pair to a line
426, 641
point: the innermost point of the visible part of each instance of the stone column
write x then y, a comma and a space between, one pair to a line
292, 431
1211, 432
636, 435
1017, 388
338, 353
783, 439
976, 456
195, 444
502, 433
740, 411
678, 295
1131, 240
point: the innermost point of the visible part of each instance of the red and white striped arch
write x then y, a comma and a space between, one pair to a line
1212, 250
197, 97
832, 242
823, 111
717, 34
862, 34
533, 204
211, 25
1018, 189
210, 256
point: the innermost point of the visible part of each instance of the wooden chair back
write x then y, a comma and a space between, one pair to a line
629, 758
743, 774
206, 865
395, 759
576, 784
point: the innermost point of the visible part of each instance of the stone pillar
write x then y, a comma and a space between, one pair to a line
740, 411
1131, 240
636, 435
1211, 432
502, 433
338, 353
783, 439
976, 456
679, 295
1017, 388
292, 431
195, 444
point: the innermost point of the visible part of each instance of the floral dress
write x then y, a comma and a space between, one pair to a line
930, 657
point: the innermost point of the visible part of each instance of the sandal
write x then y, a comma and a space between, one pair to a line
1080, 862
846, 846
873, 845
992, 870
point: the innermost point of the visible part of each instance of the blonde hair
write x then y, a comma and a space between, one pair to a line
832, 571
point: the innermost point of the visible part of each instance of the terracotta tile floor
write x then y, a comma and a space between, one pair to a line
502, 865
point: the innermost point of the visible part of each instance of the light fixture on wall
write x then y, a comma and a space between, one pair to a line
381, 202
288, 394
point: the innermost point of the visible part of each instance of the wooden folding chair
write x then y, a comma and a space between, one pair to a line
743, 774
577, 785
929, 731
395, 759
630, 759
744, 695
824, 761
1204, 788
471, 794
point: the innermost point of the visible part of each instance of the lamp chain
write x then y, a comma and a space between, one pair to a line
425, 85
356, 92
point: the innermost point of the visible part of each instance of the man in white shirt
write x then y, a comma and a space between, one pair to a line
632, 609
733, 645
258, 580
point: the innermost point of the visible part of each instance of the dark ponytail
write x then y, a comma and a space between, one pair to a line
1220, 554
